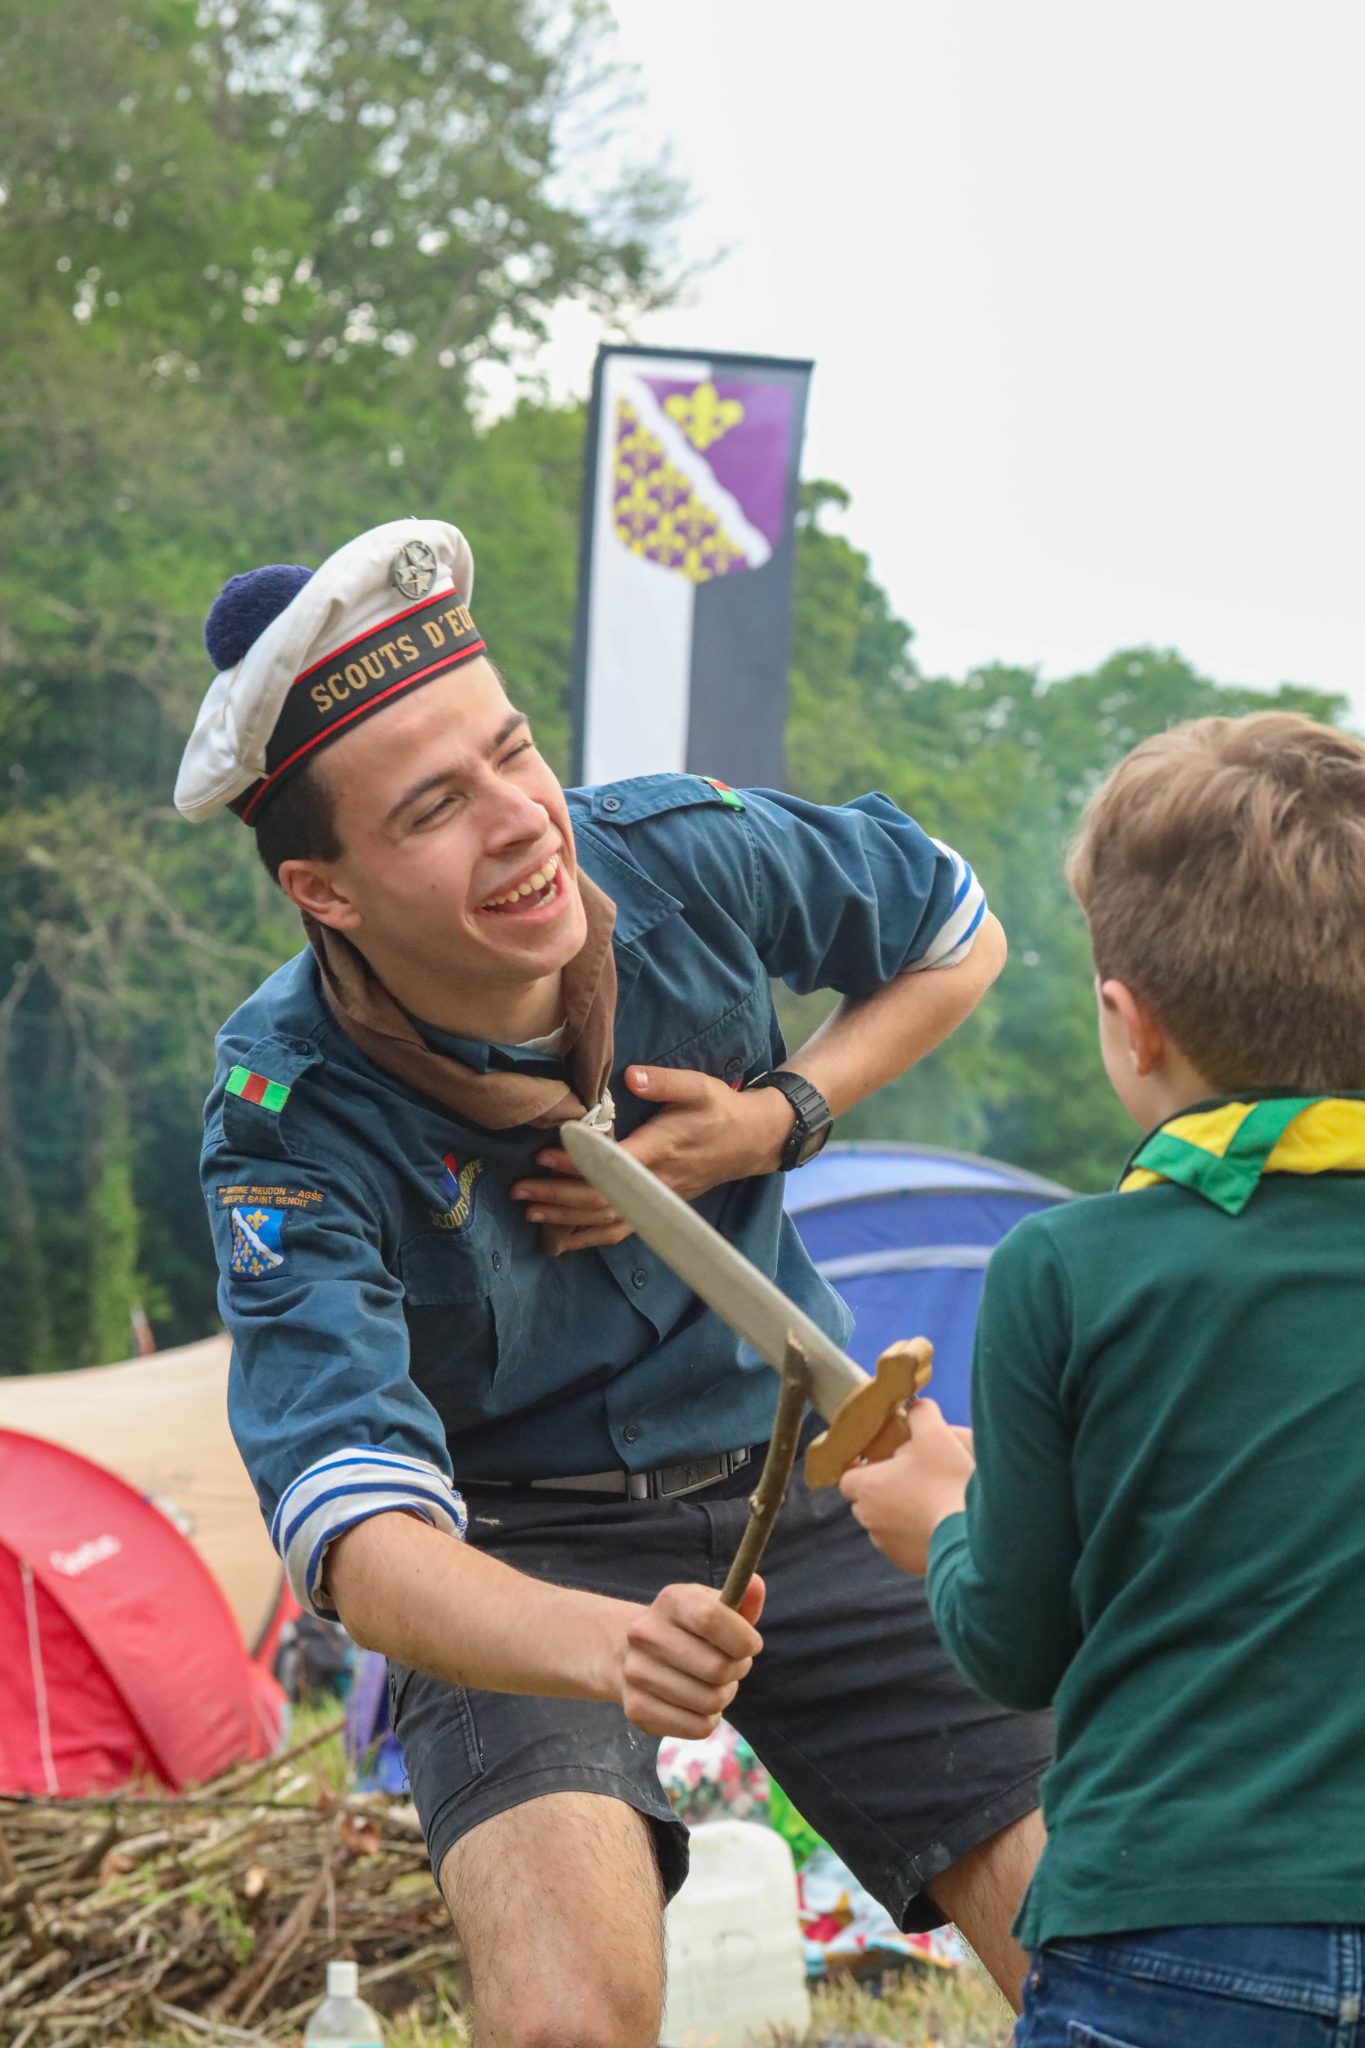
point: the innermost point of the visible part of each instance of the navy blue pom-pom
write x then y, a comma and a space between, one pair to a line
245, 606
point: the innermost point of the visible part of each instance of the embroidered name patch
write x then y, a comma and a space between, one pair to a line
458, 1184
257, 1241
243, 1196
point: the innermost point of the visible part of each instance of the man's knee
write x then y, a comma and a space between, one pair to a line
558, 1908
602, 1998
578, 2014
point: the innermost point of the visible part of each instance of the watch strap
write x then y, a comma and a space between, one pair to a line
813, 1117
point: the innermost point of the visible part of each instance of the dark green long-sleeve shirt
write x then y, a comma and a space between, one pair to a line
1165, 1536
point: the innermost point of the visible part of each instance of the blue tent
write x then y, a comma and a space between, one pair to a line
904, 1232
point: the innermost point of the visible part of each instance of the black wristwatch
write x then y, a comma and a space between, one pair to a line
813, 1119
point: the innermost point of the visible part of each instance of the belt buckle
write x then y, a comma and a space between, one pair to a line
693, 1474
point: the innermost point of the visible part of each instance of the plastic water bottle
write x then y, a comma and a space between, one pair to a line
343, 2020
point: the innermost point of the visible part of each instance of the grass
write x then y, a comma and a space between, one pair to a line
328, 1760
918, 2008
924, 2007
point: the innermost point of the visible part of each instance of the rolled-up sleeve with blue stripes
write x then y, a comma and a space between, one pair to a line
955, 936
329, 1423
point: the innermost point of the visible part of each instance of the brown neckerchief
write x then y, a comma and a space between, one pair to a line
368, 1014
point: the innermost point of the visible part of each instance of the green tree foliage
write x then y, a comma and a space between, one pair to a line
1000, 766
253, 258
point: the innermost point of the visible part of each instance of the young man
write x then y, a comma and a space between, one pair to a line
1164, 1530
418, 1288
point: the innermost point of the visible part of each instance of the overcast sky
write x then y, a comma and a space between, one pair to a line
1083, 285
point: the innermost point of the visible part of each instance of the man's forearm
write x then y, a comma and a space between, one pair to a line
862, 1045
436, 1604
418, 1596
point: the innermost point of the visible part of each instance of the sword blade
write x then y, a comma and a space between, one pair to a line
724, 1279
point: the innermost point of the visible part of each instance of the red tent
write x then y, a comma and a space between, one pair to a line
119, 1656
161, 1424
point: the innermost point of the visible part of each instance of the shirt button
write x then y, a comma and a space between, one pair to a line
639, 1278
631, 1431
497, 1262
611, 803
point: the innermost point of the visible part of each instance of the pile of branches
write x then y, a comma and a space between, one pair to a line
211, 1918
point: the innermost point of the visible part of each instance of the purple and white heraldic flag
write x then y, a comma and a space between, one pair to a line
684, 617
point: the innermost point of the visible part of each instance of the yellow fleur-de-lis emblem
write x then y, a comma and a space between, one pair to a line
703, 415
657, 515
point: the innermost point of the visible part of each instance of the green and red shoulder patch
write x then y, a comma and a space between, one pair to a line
271, 1095
723, 791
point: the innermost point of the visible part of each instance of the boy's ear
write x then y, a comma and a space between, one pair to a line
1138, 1025
308, 884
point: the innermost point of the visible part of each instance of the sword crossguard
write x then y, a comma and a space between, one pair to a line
872, 1422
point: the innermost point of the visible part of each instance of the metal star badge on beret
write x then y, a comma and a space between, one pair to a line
414, 568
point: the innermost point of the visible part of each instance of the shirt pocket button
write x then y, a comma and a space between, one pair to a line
497, 1262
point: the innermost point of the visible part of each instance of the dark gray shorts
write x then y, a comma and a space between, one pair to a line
854, 1706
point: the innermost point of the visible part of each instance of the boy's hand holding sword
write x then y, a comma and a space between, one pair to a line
900, 1503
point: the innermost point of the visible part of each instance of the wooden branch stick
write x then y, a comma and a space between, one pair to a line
436, 1955
52, 1960
771, 1490
199, 2025
251, 1983
35, 1920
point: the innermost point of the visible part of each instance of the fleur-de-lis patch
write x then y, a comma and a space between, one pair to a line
257, 1242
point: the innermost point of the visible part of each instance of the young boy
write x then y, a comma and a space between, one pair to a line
1164, 1532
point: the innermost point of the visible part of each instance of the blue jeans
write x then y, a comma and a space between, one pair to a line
1198, 1987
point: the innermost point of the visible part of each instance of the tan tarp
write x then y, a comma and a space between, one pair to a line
161, 1424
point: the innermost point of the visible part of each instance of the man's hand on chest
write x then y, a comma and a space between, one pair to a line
703, 1134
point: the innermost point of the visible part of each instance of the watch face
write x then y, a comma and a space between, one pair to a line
811, 1144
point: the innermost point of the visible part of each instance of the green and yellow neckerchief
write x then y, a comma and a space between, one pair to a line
1220, 1150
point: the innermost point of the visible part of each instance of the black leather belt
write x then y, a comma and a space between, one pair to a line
667, 1482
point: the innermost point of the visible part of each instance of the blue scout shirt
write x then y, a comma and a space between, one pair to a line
393, 1318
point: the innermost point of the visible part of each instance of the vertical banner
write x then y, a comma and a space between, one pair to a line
685, 579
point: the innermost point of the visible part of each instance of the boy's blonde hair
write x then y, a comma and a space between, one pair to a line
1221, 869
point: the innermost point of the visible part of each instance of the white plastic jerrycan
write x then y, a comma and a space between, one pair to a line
735, 1963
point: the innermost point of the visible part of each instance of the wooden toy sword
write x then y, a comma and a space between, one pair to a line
866, 1415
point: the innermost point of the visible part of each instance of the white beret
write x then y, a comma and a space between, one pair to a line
386, 612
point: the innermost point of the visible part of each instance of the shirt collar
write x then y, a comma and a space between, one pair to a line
481, 1056
1219, 1149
